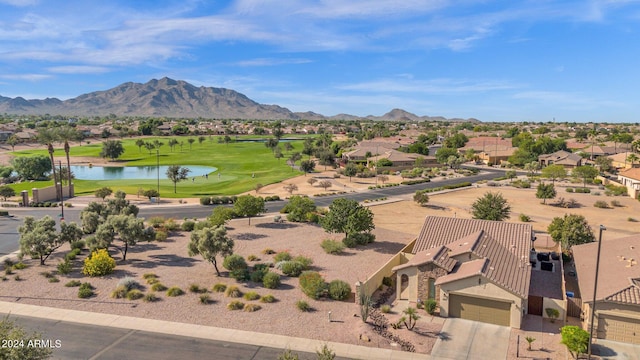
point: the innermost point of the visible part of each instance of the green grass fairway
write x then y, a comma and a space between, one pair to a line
236, 162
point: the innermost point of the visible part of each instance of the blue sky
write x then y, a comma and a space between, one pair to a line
493, 60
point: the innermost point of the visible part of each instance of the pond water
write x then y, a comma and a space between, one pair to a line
83, 172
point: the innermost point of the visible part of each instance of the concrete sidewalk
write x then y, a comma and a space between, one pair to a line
206, 332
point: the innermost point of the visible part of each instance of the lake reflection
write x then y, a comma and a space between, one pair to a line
83, 172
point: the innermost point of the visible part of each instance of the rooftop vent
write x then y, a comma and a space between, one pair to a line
631, 262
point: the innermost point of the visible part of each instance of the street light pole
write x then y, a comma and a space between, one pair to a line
158, 170
61, 193
595, 289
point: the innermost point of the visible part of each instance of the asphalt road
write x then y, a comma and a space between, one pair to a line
9, 234
79, 341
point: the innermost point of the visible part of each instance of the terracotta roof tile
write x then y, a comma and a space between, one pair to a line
438, 256
629, 295
505, 245
466, 270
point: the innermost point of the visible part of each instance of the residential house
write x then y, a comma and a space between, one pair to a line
486, 144
619, 161
474, 269
496, 156
402, 161
631, 179
617, 310
567, 159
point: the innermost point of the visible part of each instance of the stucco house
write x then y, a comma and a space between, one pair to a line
567, 159
631, 179
474, 269
617, 311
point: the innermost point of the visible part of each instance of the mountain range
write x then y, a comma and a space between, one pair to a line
179, 99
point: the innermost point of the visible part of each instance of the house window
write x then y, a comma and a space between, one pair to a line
431, 288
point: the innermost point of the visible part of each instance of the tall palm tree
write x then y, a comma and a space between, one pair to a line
47, 136
632, 158
66, 134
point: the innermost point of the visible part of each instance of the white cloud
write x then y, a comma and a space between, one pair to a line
434, 86
28, 77
271, 62
20, 3
78, 69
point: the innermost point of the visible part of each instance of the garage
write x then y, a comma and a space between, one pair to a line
480, 309
621, 329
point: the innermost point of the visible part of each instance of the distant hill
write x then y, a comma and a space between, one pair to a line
176, 98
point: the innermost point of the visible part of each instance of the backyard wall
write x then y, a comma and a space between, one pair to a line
49, 193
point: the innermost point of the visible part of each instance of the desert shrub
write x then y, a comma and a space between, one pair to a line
17, 278
134, 294
339, 290
292, 268
148, 276
78, 245
268, 299
288, 355
349, 242
240, 274
150, 297
385, 309
252, 307
171, 225
188, 225
158, 287
332, 246
235, 305
195, 288
268, 251
522, 184
99, 263
161, 236
271, 280
430, 305
253, 258
251, 295
303, 305
85, 290
54, 279
73, 283
175, 291
630, 219
205, 200
219, 287
525, 218
65, 267
312, 284
304, 261
616, 190
233, 292
387, 281
156, 221
71, 255
129, 283
19, 266
601, 204
282, 256
120, 292
616, 203
363, 238
257, 276
204, 299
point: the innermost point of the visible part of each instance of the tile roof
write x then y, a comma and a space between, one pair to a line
466, 270
619, 262
561, 157
633, 173
505, 245
439, 256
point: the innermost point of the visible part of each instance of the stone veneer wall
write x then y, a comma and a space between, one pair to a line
424, 273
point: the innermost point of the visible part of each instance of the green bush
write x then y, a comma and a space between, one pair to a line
235, 305
65, 267
150, 297
616, 203
251, 295
385, 309
257, 276
339, 290
431, 305
304, 261
601, 204
19, 266
303, 305
120, 292
312, 284
188, 225
158, 287
253, 258
234, 262
349, 242
268, 299
161, 236
78, 245
195, 288
71, 255
569, 190
616, 190
240, 274
219, 287
171, 225
271, 280
268, 251
134, 294
292, 268
205, 299
73, 283
282, 256
175, 291
525, 218
85, 290
233, 292
54, 279
332, 246
99, 263
252, 307
205, 200
387, 281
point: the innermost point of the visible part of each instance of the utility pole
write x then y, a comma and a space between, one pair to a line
595, 289
61, 193
158, 171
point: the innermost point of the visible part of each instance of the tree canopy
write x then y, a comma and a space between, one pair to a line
491, 206
249, 206
585, 173
569, 230
349, 217
126, 228
211, 242
554, 172
112, 149
299, 208
177, 173
39, 238
545, 191
32, 167
575, 339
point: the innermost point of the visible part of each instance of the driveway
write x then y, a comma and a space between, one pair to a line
465, 339
616, 350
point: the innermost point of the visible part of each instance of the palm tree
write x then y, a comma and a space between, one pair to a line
66, 134
632, 158
47, 136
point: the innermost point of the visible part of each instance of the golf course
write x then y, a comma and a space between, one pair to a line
241, 165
